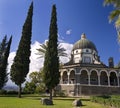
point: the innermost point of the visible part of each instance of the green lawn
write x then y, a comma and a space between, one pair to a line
34, 102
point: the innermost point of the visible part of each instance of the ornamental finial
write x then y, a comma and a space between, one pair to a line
83, 36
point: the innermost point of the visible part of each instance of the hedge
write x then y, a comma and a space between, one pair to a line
113, 101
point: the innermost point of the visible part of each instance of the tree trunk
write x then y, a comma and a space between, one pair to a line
19, 91
54, 92
51, 94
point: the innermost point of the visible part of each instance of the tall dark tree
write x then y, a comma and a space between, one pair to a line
51, 63
4, 53
20, 66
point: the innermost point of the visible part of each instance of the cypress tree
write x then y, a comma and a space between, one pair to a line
4, 53
51, 63
20, 66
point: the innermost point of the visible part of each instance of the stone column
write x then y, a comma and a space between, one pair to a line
77, 89
77, 78
68, 77
88, 78
118, 80
108, 79
61, 79
99, 79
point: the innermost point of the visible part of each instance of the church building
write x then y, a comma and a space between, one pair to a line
85, 74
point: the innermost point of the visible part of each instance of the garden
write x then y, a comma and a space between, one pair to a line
106, 100
34, 101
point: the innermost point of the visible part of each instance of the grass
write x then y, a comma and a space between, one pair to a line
34, 102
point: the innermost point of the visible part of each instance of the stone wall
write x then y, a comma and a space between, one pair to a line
77, 90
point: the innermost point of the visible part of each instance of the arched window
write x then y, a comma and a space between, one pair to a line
87, 59
103, 78
94, 78
84, 77
65, 77
113, 79
72, 77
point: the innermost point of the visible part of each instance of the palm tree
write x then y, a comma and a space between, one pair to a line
115, 14
43, 47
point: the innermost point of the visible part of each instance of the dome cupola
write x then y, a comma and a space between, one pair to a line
84, 43
84, 51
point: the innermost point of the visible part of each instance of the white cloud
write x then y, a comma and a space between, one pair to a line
68, 48
68, 32
60, 38
10, 61
36, 62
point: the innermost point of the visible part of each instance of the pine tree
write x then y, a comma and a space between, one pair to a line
51, 63
4, 53
20, 66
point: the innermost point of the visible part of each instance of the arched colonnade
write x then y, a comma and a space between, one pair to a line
101, 77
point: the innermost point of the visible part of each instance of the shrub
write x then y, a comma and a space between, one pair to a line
12, 92
113, 101
60, 93
3, 92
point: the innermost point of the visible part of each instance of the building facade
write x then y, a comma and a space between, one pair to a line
85, 74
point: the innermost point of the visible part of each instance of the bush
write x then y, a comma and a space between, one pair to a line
3, 92
105, 96
60, 93
107, 100
12, 92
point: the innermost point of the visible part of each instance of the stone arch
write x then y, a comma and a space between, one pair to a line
103, 77
65, 77
94, 77
73, 70
113, 78
104, 71
113, 71
83, 76
84, 69
94, 70
72, 77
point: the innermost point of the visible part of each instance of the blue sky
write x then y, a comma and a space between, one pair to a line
76, 16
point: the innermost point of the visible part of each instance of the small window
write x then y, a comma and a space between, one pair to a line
87, 50
87, 60
76, 51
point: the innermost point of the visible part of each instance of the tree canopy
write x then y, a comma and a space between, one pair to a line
43, 48
4, 53
51, 64
115, 14
20, 66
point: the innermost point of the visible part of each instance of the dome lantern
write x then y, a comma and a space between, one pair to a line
83, 36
